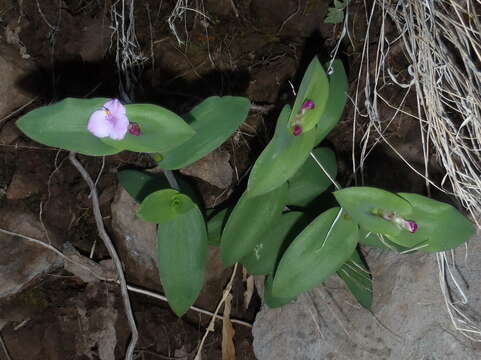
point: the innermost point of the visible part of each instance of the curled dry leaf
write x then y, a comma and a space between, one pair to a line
228, 349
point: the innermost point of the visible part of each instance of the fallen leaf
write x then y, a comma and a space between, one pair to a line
249, 291
228, 349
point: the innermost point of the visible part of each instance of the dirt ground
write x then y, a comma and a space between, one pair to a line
250, 48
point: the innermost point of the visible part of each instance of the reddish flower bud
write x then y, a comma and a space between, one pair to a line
134, 129
308, 105
297, 130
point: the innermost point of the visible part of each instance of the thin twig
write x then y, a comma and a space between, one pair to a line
113, 254
103, 278
4, 348
234, 8
219, 305
195, 308
289, 17
336, 184
13, 113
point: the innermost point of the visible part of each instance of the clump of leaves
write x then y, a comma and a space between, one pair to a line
335, 14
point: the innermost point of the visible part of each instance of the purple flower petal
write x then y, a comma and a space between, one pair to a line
111, 121
99, 125
115, 107
410, 226
121, 125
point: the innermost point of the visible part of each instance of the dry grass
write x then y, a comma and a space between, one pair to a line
441, 43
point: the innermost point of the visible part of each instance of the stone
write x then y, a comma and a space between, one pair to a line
85, 268
14, 70
213, 168
135, 241
87, 324
22, 186
9, 133
409, 319
21, 261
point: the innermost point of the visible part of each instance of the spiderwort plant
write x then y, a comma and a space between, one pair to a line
296, 249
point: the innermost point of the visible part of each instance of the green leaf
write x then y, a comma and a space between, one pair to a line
440, 226
64, 125
337, 101
182, 258
281, 158
316, 253
358, 279
310, 181
140, 184
315, 87
214, 120
249, 220
362, 204
263, 258
215, 224
271, 300
335, 15
161, 130
164, 205
379, 241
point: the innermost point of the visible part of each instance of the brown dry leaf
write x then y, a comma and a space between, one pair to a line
249, 291
228, 349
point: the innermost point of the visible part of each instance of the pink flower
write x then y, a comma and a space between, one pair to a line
409, 225
110, 121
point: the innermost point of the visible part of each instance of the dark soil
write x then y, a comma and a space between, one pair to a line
255, 54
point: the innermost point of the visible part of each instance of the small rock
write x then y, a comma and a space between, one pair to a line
21, 261
214, 169
13, 69
135, 241
22, 186
84, 268
9, 133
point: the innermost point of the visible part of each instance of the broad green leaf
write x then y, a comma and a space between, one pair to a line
161, 130
316, 253
379, 241
263, 258
182, 258
281, 158
271, 300
358, 279
214, 120
337, 101
64, 125
140, 184
315, 87
215, 224
164, 205
362, 204
440, 226
310, 181
249, 220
